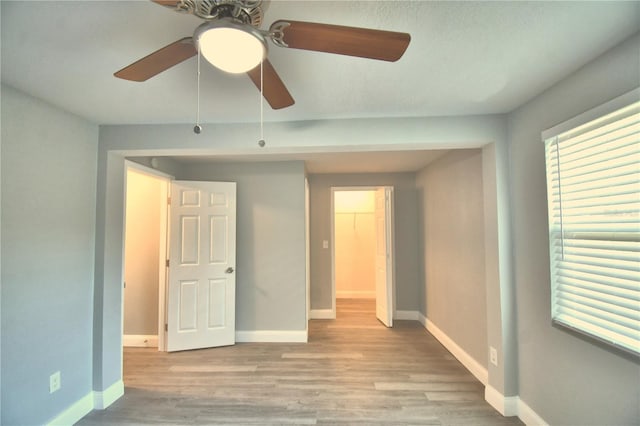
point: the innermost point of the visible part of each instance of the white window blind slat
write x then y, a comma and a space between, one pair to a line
601, 333
625, 158
576, 224
612, 131
606, 310
627, 166
603, 204
598, 244
593, 190
627, 298
631, 258
603, 271
622, 231
615, 332
597, 278
585, 313
587, 150
604, 262
598, 185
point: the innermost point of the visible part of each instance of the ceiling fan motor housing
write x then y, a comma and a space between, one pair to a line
250, 12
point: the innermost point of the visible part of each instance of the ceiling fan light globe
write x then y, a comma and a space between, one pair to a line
230, 47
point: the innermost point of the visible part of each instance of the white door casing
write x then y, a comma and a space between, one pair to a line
202, 277
307, 237
384, 255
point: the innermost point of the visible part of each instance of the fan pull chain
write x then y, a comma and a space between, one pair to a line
261, 142
197, 128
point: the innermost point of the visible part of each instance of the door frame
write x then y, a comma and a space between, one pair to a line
307, 236
390, 228
163, 235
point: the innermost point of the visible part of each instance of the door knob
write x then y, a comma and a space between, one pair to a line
229, 270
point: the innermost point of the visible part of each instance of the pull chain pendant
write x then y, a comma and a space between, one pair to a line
261, 142
197, 128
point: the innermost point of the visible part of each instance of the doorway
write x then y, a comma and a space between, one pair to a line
362, 252
145, 251
193, 305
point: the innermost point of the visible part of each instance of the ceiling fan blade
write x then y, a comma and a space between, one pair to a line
159, 61
351, 41
275, 92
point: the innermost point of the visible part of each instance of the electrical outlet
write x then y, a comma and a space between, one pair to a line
493, 355
325, 244
54, 382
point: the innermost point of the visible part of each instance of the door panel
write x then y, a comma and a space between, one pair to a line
217, 298
201, 295
384, 269
188, 306
190, 240
218, 239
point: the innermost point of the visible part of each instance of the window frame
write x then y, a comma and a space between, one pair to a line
589, 117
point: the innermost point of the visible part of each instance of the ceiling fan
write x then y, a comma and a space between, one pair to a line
230, 39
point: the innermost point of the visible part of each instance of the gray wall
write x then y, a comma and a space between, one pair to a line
564, 378
406, 237
270, 283
453, 258
48, 219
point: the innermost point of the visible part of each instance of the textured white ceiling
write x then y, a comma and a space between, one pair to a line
464, 58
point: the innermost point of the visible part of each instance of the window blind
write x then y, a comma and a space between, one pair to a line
593, 190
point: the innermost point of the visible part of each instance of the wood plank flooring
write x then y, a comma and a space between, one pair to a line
353, 371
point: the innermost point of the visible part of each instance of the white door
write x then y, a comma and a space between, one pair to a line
384, 253
202, 279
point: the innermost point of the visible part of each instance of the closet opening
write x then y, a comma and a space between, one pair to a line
362, 255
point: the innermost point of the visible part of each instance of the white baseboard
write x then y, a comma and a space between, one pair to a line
467, 360
355, 294
92, 400
507, 406
407, 315
78, 410
322, 314
140, 340
422, 319
280, 336
528, 416
513, 406
102, 400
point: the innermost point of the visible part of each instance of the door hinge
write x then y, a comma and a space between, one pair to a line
169, 200
167, 263
166, 327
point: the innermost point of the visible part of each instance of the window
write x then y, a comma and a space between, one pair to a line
593, 191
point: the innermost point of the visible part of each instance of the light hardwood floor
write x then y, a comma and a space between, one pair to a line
353, 371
